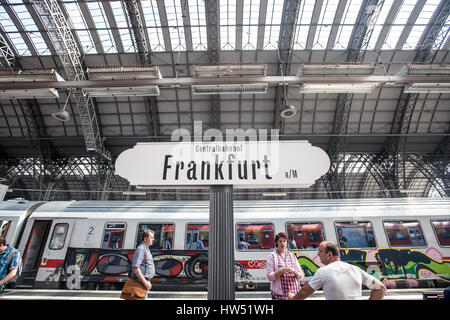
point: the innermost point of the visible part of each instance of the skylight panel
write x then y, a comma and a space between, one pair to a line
380, 23
228, 24
198, 25
399, 24
303, 23
273, 23
175, 23
20, 45
13, 34
24, 17
153, 22
324, 25
39, 43
347, 24
422, 20
122, 24
250, 24
28, 25
103, 28
77, 20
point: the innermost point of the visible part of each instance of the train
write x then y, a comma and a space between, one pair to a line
89, 244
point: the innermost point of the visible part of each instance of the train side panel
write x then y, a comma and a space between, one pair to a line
91, 244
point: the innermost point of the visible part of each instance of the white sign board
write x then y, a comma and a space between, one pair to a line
245, 164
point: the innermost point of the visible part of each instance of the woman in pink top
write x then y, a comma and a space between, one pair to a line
283, 269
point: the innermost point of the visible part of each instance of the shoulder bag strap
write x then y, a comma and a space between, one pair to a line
10, 256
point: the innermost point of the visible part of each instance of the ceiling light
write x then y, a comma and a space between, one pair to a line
427, 88
428, 69
228, 71
274, 194
62, 115
288, 111
29, 75
123, 73
329, 69
134, 193
338, 87
230, 88
29, 94
123, 92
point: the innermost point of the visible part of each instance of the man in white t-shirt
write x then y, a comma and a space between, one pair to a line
339, 280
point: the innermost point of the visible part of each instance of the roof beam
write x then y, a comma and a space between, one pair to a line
113, 25
289, 17
213, 33
8, 58
64, 43
136, 20
336, 150
429, 46
395, 147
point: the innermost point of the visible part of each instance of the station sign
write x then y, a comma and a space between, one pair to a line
243, 164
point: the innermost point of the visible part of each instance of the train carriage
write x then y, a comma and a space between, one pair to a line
90, 244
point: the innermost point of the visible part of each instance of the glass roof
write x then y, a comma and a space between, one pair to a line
174, 25
228, 24
399, 24
250, 24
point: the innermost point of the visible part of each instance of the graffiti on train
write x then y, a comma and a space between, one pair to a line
390, 264
98, 265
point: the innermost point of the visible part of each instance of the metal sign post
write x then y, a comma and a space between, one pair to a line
221, 248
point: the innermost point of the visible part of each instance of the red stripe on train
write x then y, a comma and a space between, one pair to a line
51, 263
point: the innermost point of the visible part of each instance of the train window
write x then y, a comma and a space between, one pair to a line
113, 236
305, 235
197, 237
404, 233
355, 234
4, 227
59, 236
254, 236
163, 235
442, 229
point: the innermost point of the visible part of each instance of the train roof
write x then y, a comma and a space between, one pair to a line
17, 207
268, 209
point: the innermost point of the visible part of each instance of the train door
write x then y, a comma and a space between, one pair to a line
33, 252
54, 253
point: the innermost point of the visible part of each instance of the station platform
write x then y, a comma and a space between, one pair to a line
39, 294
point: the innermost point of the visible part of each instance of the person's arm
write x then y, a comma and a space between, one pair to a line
377, 288
137, 272
9, 276
303, 293
298, 270
378, 291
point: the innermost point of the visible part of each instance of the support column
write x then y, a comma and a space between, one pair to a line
221, 244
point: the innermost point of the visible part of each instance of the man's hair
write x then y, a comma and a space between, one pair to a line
2, 241
332, 247
147, 233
